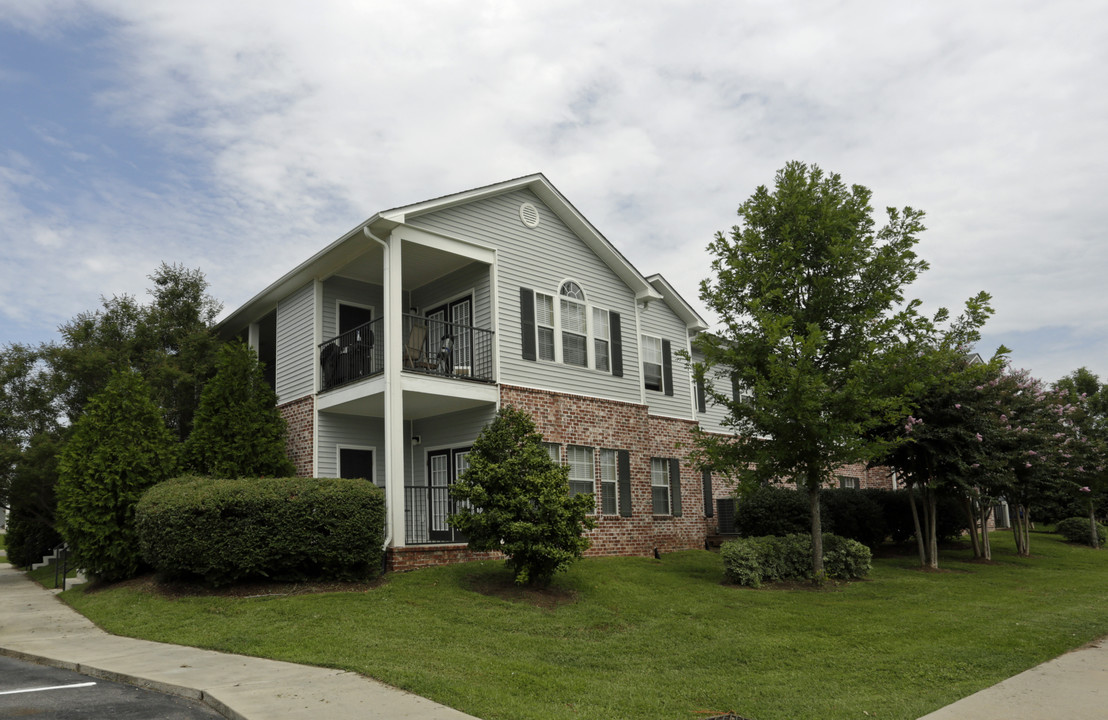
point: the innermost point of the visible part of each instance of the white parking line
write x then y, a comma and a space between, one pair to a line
41, 689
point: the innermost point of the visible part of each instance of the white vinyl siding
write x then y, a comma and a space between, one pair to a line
660, 485
296, 350
335, 429
581, 475
659, 321
495, 221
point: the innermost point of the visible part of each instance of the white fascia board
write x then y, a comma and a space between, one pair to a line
559, 205
680, 307
319, 266
452, 244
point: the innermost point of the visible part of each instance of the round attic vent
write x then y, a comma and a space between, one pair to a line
529, 214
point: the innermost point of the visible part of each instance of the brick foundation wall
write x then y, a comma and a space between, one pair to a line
299, 416
403, 559
608, 424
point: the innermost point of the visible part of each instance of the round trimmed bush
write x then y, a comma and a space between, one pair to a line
281, 528
1076, 530
752, 561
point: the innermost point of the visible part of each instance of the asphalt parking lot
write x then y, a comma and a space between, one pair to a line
28, 690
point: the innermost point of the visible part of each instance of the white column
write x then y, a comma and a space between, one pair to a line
395, 438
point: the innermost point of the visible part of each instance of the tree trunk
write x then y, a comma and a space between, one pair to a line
817, 533
920, 540
1094, 538
972, 516
932, 531
986, 545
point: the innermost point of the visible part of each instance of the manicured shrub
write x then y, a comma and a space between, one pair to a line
845, 558
118, 449
517, 501
237, 431
1076, 530
772, 510
752, 561
855, 515
283, 528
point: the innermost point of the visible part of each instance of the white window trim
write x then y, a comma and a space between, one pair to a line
614, 482
668, 486
590, 338
339, 447
661, 364
363, 306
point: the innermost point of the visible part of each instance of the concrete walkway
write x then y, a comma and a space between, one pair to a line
1073, 686
36, 626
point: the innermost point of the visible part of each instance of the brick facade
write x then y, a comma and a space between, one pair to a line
402, 559
299, 416
612, 425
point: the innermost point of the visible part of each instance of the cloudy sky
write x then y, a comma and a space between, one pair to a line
240, 137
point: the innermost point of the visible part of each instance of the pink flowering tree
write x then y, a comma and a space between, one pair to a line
1084, 455
1031, 443
937, 448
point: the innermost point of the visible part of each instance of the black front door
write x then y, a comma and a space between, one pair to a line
444, 467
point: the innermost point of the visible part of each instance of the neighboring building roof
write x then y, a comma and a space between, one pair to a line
350, 245
680, 307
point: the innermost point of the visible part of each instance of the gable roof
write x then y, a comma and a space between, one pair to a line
680, 307
351, 244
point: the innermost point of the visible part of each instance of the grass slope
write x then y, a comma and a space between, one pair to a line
641, 638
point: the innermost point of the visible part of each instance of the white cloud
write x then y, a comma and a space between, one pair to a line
284, 123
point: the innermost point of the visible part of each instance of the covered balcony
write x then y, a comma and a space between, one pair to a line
432, 346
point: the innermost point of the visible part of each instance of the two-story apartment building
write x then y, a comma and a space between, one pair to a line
391, 348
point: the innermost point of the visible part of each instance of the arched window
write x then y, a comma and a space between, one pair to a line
575, 325
572, 290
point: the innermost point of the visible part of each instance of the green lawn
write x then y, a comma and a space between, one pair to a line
642, 638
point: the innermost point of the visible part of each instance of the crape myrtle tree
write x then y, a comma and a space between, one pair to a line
1033, 440
513, 498
238, 431
809, 296
939, 446
1085, 456
118, 448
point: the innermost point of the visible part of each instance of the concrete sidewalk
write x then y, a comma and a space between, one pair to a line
36, 626
1072, 686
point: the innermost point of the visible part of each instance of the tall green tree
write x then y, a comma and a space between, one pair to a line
514, 499
30, 432
809, 295
170, 341
238, 431
118, 449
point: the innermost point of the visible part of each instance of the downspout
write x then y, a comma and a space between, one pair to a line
388, 459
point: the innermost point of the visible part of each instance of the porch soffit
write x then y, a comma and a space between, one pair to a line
426, 257
423, 397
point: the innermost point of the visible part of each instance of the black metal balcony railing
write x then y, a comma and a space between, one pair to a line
438, 347
355, 354
433, 347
